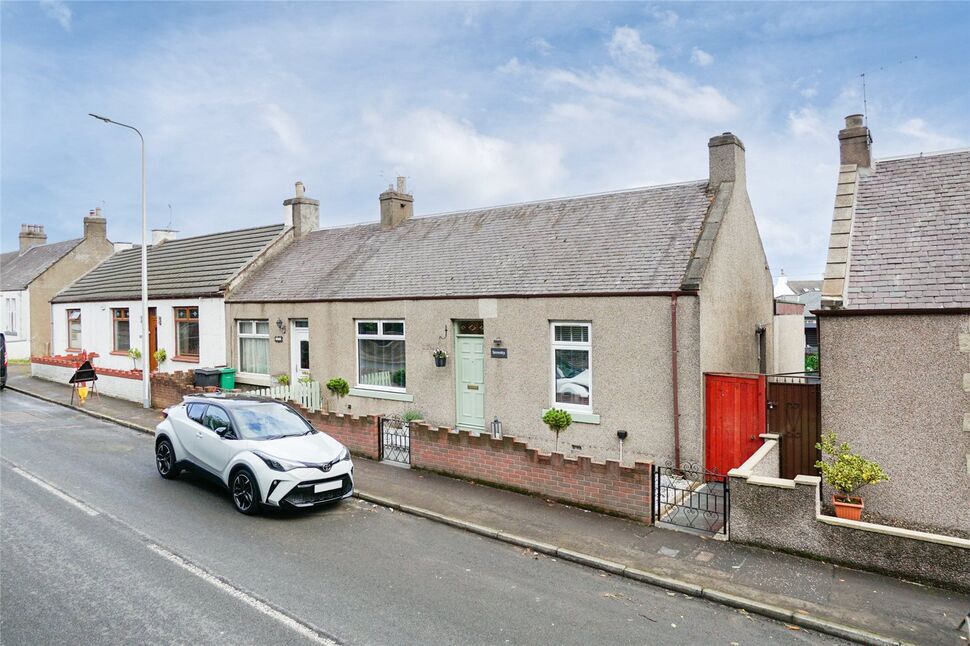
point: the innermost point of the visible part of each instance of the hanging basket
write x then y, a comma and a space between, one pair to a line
439, 362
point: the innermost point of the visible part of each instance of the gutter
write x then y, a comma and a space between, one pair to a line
455, 297
901, 311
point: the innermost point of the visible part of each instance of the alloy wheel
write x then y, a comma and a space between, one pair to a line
163, 458
242, 492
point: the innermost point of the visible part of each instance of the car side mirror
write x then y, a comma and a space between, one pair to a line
223, 431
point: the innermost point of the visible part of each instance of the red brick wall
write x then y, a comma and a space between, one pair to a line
75, 361
359, 434
168, 388
607, 487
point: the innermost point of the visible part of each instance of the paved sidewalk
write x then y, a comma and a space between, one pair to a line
720, 570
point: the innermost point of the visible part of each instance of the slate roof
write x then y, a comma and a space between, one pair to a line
190, 267
910, 244
18, 270
639, 240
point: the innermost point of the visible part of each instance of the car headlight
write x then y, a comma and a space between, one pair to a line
344, 454
278, 464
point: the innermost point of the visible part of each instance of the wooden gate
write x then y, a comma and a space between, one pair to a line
793, 413
734, 419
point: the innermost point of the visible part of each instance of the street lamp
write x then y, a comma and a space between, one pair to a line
145, 376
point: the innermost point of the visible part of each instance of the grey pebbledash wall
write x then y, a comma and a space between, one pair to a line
784, 515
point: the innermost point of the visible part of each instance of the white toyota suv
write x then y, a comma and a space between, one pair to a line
262, 450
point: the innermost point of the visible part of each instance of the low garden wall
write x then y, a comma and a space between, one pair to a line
123, 384
785, 515
359, 434
509, 463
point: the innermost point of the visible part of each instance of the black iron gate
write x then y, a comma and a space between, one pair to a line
395, 440
689, 496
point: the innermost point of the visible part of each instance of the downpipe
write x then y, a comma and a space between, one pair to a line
674, 377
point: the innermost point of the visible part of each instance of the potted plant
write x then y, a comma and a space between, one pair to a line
338, 387
440, 358
160, 355
283, 379
305, 378
558, 421
847, 472
134, 354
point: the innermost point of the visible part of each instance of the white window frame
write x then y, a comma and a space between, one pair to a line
240, 335
380, 336
570, 345
13, 316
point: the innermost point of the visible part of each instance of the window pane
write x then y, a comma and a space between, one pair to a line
194, 313
215, 418
572, 333
188, 339
304, 355
393, 328
381, 363
254, 356
74, 334
245, 327
122, 341
572, 377
301, 324
74, 315
262, 327
367, 327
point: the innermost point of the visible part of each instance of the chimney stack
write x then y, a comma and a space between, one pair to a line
397, 205
95, 226
31, 235
855, 142
301, 212
726, 156
160, 236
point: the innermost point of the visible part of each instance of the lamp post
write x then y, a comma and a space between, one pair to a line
146, 360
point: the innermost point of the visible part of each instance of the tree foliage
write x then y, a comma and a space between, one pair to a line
338, 387
845, 471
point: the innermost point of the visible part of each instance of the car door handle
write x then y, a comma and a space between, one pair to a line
199, 434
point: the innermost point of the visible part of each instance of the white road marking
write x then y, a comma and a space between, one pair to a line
57, 492
246, 598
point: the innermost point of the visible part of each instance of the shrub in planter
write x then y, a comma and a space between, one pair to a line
160, 355
558, 421
305, 377
846, 472
134, 354
338, 387
282, 379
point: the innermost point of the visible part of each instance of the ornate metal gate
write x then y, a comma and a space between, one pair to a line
794, 413
689, 496
395, 440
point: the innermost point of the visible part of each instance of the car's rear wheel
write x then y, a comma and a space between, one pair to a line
245, 492
165, 460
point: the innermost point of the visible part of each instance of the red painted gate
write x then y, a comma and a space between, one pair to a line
734, 418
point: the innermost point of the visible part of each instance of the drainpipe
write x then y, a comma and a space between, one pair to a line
673, 366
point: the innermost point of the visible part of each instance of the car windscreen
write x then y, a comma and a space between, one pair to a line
264, 421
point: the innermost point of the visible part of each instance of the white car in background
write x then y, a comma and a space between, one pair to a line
262, 450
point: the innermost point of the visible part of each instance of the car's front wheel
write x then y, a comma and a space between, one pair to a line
165, 460
245, 492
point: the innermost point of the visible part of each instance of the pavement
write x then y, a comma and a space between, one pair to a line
860, 606
98, 549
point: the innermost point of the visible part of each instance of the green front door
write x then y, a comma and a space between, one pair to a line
470, 375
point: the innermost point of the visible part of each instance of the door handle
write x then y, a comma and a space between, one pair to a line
472, 386
199, 434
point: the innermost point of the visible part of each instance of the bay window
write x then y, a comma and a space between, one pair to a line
253, 346
572, 366
187, 333
380, 355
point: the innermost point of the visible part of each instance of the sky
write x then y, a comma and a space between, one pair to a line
476, 104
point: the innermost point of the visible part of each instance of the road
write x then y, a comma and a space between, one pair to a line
96, 548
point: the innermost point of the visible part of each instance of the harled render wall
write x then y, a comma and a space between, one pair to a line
897, 389
631, 365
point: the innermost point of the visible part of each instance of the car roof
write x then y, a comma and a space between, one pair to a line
230, 401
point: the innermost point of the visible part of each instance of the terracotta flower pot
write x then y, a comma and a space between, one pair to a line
848, 510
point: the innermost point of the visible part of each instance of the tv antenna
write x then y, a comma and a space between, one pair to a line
170, 217
865, 101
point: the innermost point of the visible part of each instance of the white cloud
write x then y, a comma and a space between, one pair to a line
699, 57
665, 17
918, 130
513, 66
57, 10
461, 162
627, 49
806, 122
285, 127
542, 46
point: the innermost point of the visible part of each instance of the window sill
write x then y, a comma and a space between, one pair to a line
253, 379
185, 359
382, 394
582, 418
73, 350
119, 353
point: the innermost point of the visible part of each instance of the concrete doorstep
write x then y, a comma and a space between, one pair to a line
781, 607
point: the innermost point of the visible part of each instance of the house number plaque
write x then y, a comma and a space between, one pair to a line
278, 339
500, 353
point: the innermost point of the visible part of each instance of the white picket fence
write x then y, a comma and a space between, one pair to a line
308, 394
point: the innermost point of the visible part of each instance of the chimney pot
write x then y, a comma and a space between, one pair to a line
726, 160
301, 212
397, 206
160, 236
31, 235
855, 142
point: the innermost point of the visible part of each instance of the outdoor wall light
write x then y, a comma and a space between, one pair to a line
279, 324
497, 343
497, 429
